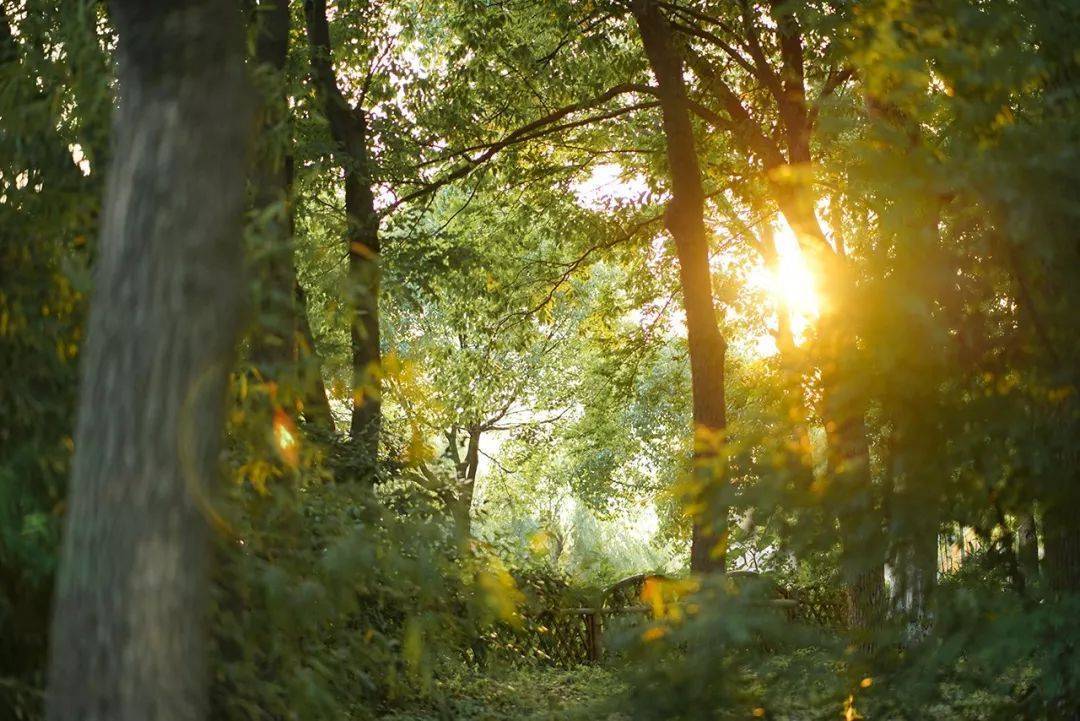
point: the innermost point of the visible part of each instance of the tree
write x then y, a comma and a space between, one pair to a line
775, 60
685, 220
488, 334
282, 343
127, 639
351, 132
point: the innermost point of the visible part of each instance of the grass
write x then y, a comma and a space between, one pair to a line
525, 694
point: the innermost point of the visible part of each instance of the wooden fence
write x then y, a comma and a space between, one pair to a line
574, 635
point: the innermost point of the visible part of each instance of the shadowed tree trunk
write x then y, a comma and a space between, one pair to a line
1060, 521
282, 348
349, 128
685, 220
843, 405
316, 400
917, 501
1062, 542
862, 537
272, 344
458, 499
913, 555
127, 641
1027, 546
913, 454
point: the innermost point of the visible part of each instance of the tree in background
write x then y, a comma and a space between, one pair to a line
350, 128
685, 220
282, 345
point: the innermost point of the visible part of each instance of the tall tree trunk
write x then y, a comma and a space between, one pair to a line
843, 411
364, 275
128, 641
862, 537
272, 344
913, 560
1060, 521
685, 220
349, 128
912, 513
915, 499
282, 348
842, 406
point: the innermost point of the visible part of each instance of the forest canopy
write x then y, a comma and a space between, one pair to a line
545, 359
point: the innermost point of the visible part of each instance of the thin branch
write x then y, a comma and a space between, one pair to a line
540, 123
753, 39
572, 266
374, 66
697, 15
532, 131
533, 422
489, 424
496, 461
340, 114
710, 116
833, 81
716, 40
584, 26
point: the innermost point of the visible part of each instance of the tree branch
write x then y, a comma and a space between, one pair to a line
531, 131
743, 124
345, 125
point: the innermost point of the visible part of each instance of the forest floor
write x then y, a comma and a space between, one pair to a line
530, 694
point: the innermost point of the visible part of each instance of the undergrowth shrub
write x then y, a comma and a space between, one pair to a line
725, 652
337, 595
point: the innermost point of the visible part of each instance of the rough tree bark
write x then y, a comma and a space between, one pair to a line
685, 220
862, 538
127, 641
317, 401
913, 553
349, 128
1060, 522
459, 498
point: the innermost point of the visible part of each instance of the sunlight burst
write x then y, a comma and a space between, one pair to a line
793, 284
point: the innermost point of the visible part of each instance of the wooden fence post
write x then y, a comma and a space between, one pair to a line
594, 626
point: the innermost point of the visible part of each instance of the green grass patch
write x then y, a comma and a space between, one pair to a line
526, 694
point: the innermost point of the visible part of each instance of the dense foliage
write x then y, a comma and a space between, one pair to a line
473, 389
